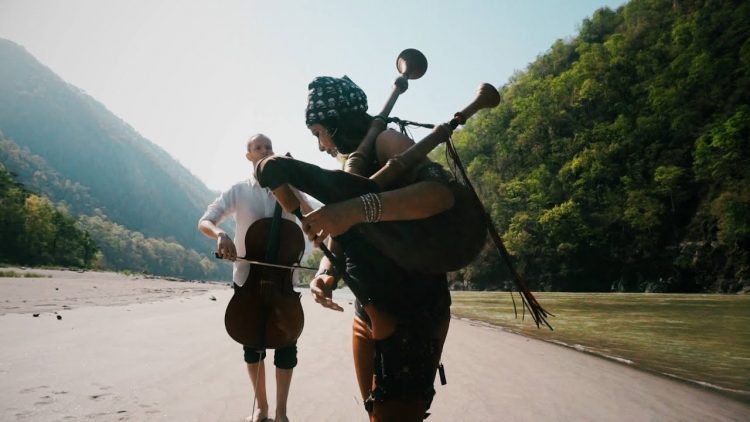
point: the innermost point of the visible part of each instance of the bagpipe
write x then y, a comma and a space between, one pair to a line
444, 242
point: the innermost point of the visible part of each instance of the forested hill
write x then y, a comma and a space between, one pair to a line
619, 159
62, 142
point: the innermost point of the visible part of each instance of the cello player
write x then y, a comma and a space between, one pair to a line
248, 202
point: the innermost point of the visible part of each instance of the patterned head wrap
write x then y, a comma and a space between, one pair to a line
329, 97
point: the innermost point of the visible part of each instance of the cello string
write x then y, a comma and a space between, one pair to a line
266, 264
289, 267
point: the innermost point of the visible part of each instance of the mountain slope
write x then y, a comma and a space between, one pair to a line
131, 180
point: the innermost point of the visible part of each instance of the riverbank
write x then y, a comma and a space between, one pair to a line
698, 338
153, 350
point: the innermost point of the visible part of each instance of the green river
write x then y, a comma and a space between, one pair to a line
699, 338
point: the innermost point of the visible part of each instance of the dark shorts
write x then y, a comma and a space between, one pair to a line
285, 358
406, 363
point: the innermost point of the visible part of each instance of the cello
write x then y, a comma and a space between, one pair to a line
266, 313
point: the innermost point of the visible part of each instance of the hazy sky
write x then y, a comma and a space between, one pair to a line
199, 77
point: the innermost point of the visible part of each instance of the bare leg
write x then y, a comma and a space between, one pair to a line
382, 324
257, 372
283, 383
363, 348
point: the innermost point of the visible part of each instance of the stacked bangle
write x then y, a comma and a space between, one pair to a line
372, 206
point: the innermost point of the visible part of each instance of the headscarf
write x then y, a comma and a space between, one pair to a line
329, 97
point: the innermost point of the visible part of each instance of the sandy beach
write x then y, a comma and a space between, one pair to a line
112, 347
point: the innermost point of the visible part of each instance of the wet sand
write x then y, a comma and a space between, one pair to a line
129, 348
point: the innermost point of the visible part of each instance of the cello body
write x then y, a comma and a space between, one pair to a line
266, 313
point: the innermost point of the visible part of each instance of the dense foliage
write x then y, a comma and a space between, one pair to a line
34, 172
313, 261
124, 249
35, 232
91, 158
619, 159
75, 154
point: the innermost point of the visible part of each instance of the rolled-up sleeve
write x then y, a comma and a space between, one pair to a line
218, 210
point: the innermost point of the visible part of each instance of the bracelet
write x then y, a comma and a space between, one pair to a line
372, 206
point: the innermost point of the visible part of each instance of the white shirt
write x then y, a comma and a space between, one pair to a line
248, 202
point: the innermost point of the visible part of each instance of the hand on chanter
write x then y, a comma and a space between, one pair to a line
322, 294
331, 220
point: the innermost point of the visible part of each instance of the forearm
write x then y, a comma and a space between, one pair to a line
210, 229
304, 206
413, 202
420, 200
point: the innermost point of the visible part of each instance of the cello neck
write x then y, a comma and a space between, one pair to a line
272, 250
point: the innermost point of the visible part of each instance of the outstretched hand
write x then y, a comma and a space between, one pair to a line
322, 294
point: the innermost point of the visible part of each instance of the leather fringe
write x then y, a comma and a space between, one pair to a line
538, 313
